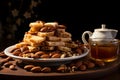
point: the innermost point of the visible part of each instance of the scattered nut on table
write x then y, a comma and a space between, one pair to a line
12, 67
28, 67
36, 69
76, 65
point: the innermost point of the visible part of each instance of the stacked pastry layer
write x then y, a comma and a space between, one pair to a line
48, 37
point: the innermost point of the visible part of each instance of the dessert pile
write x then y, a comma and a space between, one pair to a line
47, 40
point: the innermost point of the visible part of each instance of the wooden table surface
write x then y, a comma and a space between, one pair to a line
110, 71
113, 74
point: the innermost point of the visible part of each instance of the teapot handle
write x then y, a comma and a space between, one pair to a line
84, 34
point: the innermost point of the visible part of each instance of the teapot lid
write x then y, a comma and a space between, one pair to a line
103, 28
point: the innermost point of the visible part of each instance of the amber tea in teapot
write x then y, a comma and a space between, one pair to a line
103, 45
105, 51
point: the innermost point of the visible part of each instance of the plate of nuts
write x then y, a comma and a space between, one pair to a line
15, 53
47, 42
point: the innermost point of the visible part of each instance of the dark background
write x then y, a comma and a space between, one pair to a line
78, 16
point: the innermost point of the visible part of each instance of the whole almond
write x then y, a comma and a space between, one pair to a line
26, 51
17, 50
100, 63
12, 67
56, 55
14, 49
24, 48
46, 69
39, 53
3, 55
28, 67
91, 65
35, 56
44, 29
7, 64
62, 68
3, 61
9, 58
78, 50
36, 69
51, 28
78, 64
16, 53
44, 56
83, 67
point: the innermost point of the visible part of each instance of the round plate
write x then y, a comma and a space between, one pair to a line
48, 61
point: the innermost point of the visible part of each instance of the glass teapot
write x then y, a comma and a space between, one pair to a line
102, 43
